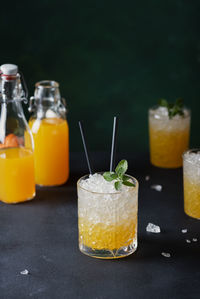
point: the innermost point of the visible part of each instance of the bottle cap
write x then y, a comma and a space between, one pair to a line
9, 69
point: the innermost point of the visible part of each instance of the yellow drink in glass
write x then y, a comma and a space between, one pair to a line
191, 174
107, 237
168, 138
51, 140
107, 220
17, 182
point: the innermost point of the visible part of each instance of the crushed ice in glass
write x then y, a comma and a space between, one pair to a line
152, 228
97, 183
157, 187
192, 157
184, 230
188, 241
24, 272
166, 254
162, 113
147, 178
194, 239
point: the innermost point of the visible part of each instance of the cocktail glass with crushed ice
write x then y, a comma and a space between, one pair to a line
168, 137
191, 176
107, 218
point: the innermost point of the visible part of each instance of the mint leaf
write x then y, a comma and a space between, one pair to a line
173, 108
179, 102
163, 103
126, 177
118, 185
121, 168
109, 176
127, 183
114, 176
119, 175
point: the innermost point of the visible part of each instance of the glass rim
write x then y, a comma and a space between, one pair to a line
47, 84
195, 149
153, 108
108, 193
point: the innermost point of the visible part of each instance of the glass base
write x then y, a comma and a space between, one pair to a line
191, 216
166, 167
19, 201
55, 185
109, 254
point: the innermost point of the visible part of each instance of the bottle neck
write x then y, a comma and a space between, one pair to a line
47, 101
10, 88
47, 92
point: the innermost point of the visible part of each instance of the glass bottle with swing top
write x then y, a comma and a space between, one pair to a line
17, 181
51, 134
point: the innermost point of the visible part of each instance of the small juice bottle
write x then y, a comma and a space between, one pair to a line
51, 135
17, 181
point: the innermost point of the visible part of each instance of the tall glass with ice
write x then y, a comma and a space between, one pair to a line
168, 137
191, 175
107, 218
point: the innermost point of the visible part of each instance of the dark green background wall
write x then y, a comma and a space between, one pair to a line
110, 58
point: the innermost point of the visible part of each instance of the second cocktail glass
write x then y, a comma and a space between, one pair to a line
191, 174
168, 137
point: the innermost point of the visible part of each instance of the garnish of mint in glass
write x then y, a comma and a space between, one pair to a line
119, 175
173, 108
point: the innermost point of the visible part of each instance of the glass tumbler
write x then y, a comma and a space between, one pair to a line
107, 222
191, 178
168, 137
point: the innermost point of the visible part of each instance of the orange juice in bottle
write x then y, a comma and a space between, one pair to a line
17, 181
51, 135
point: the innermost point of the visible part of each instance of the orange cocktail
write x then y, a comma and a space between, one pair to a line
17, 181
51, 139
191, 174
100, 235
169, 137
107, 220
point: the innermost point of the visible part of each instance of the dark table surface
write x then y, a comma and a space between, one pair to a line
42, 237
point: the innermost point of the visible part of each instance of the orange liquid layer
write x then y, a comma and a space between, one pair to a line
167, 147
51, 139
192, 198
17, 181
110, 237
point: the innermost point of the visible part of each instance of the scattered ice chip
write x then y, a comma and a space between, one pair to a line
147, 178
188, 241
152, 228
157, 187
184, 230
166, 254
24, 272
194, 239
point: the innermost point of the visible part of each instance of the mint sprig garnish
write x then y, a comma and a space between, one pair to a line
173, 108
119, 175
